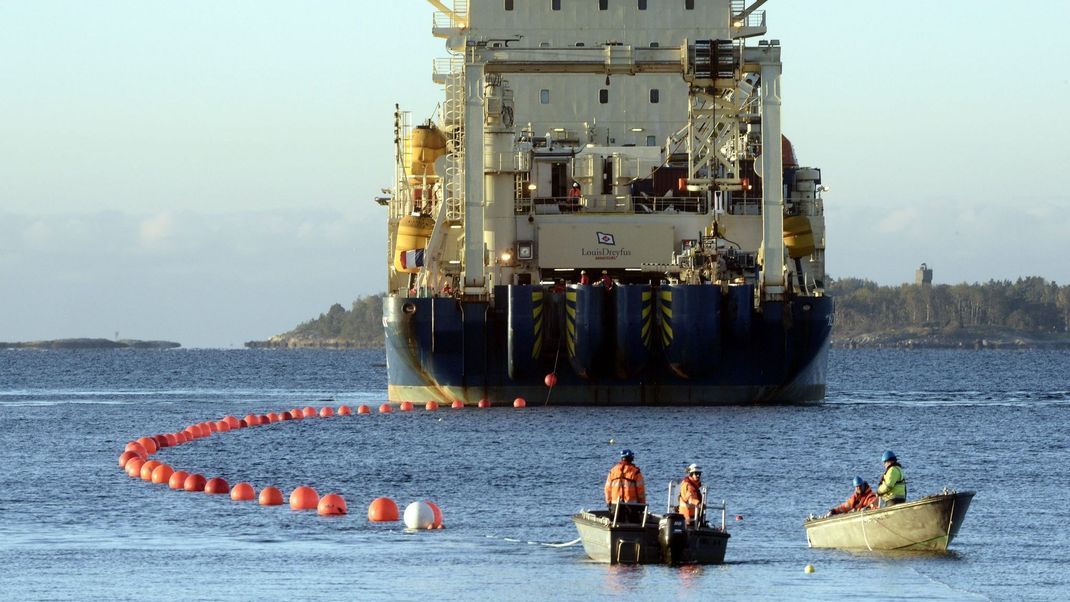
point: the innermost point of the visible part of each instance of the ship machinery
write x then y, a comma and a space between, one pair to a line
624, 142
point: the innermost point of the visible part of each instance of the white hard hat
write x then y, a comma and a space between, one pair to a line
694, 468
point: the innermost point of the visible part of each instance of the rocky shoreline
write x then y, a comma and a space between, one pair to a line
288, 342
91, 344
963, 338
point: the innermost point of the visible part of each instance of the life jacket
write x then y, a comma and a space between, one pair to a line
893, 485
625, 483
690, 498
857, 501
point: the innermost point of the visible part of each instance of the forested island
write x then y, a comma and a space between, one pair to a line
1000, 314
91, 344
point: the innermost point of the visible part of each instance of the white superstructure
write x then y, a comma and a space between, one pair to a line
658, 109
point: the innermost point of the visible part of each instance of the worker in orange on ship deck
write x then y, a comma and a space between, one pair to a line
863, 498
625, 482
691, 494
584, 278
606, 281
574, 194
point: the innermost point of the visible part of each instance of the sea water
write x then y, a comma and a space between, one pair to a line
76, 527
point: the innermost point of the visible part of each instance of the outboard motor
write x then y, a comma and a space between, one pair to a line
672, 536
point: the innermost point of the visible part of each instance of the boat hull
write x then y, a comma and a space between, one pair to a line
616, 348
638, 544
928, 524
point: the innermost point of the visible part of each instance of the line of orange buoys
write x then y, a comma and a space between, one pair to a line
134, 459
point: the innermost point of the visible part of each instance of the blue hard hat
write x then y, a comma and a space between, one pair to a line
889, 456
859, 481
627, 453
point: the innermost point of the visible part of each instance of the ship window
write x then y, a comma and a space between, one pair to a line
508, 4
603, 4
555, 4
603, 96
654, 45
642, 4
689, 4
651, 141
544, 97
655, 96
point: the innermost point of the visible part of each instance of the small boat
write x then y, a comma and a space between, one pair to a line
926, 524
630, 534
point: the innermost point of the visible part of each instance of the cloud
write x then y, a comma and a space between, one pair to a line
898, 221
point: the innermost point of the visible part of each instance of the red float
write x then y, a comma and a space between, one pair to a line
213, 426
406, 406
137, 448
270, 496
550, 380
149, 445
222, 426
331, 504
438, 514
217, 486
383, 510
431, 406
326, 412
286, 415
172, 439
194, 482
345, 411
126, 456
178, 479
161, 441
162, 474
296, 413
386, 409
133, 467
308, 412
232, 421
146, 469
273, 417
252, 420
363, 409
520, 403
242, 492
484, 403
304, 498
457, 404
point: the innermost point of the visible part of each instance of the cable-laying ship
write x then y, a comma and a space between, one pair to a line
620, 141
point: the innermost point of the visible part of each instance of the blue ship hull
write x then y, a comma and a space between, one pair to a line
632, 345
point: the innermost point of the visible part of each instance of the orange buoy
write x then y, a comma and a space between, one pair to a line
162, 474
273, 417
345, 411
431, 406
739, 517
331, 504
309, 412
264, 419
457, 404
550, 380
520, 403
270, 496
213, 426
232, 421
383, 510
172, 439
137, 448
182, 437
304, 498
243, 424
437, 524
194, 482
296, 413
146, 469
161, 441
133, 467
326, 412
149, 445
406, 406
178, 479
242, 492
125, 457
222, 426
484, 403
386, 409
363, 409
216, 486
252, 420
286, 415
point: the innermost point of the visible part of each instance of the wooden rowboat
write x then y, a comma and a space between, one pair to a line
927, 524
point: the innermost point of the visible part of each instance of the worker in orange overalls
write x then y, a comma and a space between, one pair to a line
691, 493
863, 498
584, 278
625, 482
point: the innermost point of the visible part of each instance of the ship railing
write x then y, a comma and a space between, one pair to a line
554, 205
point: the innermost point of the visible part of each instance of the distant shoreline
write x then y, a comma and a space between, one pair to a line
91, 344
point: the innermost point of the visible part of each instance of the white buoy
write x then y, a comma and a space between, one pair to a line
419, 515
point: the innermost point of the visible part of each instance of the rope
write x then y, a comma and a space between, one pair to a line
549, 390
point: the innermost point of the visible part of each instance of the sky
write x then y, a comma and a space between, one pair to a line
204, 171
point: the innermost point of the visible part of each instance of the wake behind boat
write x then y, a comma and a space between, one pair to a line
926, 524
